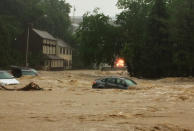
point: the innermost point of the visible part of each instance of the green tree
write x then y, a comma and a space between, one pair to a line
57, 21
182, 32
133, 21
14, 16
97, 39
158, 49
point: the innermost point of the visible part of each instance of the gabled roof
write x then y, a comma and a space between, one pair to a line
44, 34
62, 43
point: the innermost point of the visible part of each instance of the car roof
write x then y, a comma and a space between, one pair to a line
114, 77
22, 68
26, 69
3, 71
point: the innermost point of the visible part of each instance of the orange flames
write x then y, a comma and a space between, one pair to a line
120, 62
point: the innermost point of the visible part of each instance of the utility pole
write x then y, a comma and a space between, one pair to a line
27, 45
28, 35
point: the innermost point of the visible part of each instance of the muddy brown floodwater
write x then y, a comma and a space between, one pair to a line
68, 103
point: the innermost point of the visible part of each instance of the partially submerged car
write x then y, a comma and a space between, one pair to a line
29, 71
23, 71
7, 79
113, 82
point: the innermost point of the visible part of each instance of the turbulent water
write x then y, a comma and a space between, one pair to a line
68, 103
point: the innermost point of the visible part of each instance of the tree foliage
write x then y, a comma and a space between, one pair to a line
157, 45
56, 18
133, 22
158, 37
154, 36
98, 39
182, 33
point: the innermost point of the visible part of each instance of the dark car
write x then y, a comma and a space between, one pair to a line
22, 71
113, 82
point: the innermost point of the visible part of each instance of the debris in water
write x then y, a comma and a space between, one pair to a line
31, 86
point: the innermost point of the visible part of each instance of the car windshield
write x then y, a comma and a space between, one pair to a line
5, 75
35, 71
25, 72
130, 82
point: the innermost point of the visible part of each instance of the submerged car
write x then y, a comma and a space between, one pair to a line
29, 71
7, 79
113, 82
23, 71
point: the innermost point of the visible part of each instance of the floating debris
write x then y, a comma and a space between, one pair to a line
31, 86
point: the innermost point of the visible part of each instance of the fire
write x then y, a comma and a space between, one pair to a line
120, 62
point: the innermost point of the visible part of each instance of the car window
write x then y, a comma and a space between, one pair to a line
130, 82
35, 71
120, 81
5, 75
104, 80
28, 72
111, 80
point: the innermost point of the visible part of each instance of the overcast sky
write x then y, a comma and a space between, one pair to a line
108, 7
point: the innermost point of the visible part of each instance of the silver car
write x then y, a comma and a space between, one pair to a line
7, 79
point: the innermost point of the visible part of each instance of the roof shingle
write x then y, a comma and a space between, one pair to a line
44, 34
62, 43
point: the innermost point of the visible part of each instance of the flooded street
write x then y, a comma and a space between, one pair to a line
68, 103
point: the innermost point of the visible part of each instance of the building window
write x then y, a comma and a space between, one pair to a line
59, 63
62, 63
47, 49
52, 63
61, 50
50, 49
54, 49
67, 52
64, 51
44, 41
43, 49
56, 63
